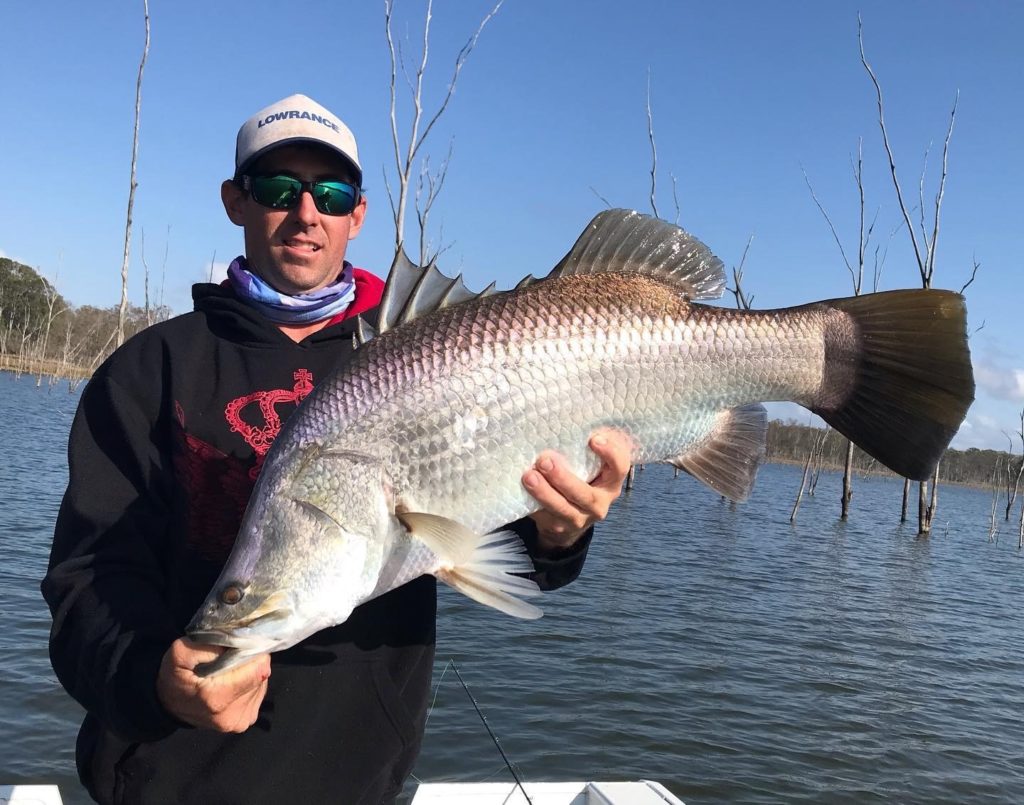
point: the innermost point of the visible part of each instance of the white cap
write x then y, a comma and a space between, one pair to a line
296, 119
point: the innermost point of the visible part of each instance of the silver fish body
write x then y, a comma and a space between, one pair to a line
393, 466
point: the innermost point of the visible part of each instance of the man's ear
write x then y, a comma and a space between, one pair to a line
234, 198
358, 216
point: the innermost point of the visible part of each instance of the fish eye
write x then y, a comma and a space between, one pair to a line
232, 594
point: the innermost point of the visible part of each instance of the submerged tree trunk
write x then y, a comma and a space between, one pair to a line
993, 526
816, 449
924, 525
927, 505
803, 483
1013, 483
847, 482
1020, 537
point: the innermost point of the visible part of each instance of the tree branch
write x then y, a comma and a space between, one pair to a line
122, 313
888, 151
654, 150
942, 186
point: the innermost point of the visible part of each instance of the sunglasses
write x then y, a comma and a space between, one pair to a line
284, 193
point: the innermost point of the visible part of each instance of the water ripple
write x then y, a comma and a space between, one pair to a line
714, 647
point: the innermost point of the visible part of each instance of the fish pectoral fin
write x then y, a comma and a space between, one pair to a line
480, 566
728, 459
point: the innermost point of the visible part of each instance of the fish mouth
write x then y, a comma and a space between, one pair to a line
243, 639
243, 633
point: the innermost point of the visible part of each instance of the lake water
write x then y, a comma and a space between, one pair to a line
715, 648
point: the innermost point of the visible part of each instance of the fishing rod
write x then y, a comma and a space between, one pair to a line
490, 732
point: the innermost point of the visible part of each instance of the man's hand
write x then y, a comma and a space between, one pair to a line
227, 702
570, 505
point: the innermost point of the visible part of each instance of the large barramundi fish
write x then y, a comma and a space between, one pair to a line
406, 460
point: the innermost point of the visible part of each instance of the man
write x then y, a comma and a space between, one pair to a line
169, 438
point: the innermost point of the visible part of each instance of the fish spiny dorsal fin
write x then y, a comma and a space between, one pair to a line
616, 241
625, 241
364, 331
412, 291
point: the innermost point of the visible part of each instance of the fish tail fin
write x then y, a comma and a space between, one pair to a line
480, 566
898, 378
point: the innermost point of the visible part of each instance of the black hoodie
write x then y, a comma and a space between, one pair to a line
168, 440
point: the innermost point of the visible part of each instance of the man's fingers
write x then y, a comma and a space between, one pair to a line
559, 490
187, 654
615, 449
553, 500
239, 681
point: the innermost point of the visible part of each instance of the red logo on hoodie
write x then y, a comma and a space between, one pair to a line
218, 485
260, 437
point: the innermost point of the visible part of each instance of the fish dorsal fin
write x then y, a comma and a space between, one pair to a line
412, 290
728, 459
616, 241
625, 241
364, 331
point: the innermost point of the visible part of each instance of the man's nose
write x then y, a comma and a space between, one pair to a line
306, 210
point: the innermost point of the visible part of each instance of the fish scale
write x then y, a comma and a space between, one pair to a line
453, 446
409, 459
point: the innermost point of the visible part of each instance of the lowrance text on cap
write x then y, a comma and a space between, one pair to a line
294, 119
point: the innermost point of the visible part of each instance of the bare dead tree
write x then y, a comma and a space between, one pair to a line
145, 275
743, 302
675, 198
857, 279
406, 154
1013, 479
815, 448
163, 267
606, 202
970, 281
51, 296
654, 150
993, 523
819, 463
123, 310
923, 253
1020, 534
428, 188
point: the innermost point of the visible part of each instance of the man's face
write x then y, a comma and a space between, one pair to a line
298, 250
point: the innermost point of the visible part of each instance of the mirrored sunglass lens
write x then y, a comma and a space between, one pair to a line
279, 192
334, 198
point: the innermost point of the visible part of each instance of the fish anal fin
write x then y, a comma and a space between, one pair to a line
728, 459
480, 566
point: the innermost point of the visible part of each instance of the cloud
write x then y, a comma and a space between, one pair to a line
214, 272
1000, 382
2, 253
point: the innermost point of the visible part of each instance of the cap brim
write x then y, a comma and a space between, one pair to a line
241, 169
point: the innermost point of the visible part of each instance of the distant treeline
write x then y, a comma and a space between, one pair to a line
790, 441
42, 333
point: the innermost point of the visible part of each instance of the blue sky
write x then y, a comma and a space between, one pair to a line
550, 111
